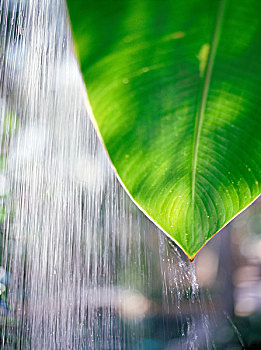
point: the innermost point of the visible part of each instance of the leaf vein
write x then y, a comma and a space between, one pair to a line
203, 99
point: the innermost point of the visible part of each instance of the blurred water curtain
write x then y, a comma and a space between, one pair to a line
81, 267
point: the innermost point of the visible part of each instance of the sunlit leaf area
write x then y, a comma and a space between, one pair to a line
81, 266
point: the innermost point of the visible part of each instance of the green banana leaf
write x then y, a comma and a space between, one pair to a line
175, 90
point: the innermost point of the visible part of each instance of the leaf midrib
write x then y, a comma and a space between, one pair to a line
203, 99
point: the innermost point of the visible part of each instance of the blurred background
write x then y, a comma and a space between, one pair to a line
133, 288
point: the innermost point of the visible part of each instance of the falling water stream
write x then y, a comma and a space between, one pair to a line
82, 268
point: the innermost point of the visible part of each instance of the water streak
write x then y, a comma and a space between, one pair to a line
82, 261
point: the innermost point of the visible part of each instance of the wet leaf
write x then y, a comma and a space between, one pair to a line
174, 87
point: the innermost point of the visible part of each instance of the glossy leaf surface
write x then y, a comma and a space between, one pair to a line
175, 89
